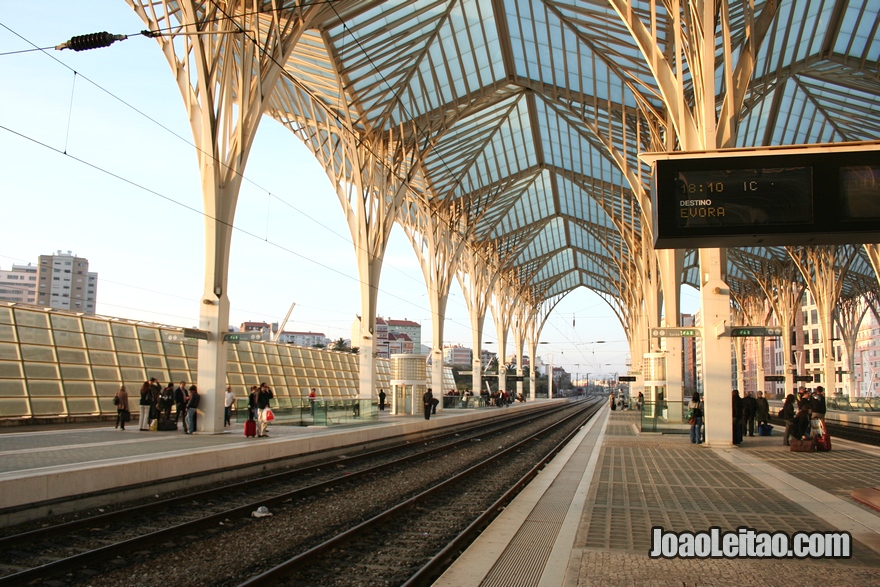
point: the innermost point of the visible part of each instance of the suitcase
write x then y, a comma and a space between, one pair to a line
798, 445
765, 430
250, 428
167, 425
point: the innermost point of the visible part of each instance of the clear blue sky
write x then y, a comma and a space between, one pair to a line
97, 159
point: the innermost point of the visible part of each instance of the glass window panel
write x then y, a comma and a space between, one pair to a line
102, 358
248, 368
96, 327
75, 372
78, 389
99, 342
176, 363
123, 330
179, 376
8, 351
37, 353
106, 391
13, 407
154, 361
234, 379
44, 388
147, 333
106, 374
126, 344
73, 356
276, 370
193, 364
11, 370
60, 322
151, 347
82, 405
7, 332
34, 335
134, 375
129, 360
160, 374
191, 349
41, 370
48, 406
31, 318
289, 371
73, 339
233, 367
5, 315
173, 349
245, 356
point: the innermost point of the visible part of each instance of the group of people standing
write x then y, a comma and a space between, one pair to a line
747, 411
799, 411
155, 403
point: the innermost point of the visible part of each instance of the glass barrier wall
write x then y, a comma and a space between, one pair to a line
56, 363
665, 417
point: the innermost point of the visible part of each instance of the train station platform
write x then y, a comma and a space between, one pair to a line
49, 465
587, 518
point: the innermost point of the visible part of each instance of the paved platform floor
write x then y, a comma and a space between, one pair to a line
587, 518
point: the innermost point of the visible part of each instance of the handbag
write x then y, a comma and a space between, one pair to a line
270, 415
692, 421
126, 416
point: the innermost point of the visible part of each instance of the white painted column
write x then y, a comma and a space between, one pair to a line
715, 310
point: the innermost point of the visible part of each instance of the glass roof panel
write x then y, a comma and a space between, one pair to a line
532, 205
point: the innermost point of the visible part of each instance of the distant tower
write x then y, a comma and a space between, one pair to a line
64, 282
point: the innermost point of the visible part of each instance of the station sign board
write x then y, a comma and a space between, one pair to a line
673, 332
195, 334
742, 331
774, 378
236, 337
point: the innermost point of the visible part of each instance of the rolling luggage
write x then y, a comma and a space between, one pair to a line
250, 427
823, 439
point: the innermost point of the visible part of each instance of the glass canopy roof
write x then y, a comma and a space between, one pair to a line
531, 115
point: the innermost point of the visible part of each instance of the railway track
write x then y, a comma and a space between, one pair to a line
411, 542
317, 502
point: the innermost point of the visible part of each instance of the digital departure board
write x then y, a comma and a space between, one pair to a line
717, 200
744, 197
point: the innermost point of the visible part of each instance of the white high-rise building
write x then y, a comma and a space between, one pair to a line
19, 285
64, 282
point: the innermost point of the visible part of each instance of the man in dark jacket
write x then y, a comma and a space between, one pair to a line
264, 395
428, 403
817, 403
750, 408
180, 396
737, 417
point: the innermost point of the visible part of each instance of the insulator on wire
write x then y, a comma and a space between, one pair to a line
92, 41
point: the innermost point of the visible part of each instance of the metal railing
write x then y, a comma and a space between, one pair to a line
844, 403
